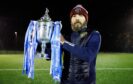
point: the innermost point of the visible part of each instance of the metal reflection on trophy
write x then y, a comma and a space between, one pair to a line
44, 31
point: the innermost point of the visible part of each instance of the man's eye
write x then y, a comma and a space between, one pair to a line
74, 15
81, 15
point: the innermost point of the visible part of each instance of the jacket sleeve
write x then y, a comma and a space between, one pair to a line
87, 53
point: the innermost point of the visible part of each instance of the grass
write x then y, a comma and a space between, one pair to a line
118, 68
112, 68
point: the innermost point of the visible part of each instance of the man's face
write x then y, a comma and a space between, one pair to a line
77, 21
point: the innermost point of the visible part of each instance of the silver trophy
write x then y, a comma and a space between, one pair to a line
44, 32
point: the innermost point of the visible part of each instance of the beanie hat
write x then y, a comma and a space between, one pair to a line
79, 9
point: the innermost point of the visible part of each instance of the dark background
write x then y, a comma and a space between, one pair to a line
113, 18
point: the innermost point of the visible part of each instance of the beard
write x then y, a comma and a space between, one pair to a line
77, 26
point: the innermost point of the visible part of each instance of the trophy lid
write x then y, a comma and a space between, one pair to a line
45, 17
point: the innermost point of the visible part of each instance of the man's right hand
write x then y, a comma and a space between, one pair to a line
62, 39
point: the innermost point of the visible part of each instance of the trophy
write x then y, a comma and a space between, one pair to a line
44, 33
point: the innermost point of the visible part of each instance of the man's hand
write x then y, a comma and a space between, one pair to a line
62, 39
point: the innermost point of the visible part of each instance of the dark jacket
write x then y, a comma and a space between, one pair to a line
79, 65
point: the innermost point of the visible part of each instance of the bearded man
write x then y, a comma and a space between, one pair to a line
80, 65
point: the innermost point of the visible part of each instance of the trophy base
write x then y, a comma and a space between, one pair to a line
47, 57
42, 55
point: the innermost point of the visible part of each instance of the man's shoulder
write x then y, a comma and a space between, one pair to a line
95, 32
95, 35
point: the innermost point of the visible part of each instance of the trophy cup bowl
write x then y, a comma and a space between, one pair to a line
45, 31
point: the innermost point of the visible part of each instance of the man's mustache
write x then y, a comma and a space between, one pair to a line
77, 22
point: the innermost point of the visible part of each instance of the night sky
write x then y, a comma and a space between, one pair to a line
113, 18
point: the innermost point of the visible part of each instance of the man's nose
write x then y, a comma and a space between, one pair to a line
77, 16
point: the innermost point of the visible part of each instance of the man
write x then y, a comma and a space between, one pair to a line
83, 49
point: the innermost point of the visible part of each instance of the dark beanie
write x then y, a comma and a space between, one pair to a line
79, 9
